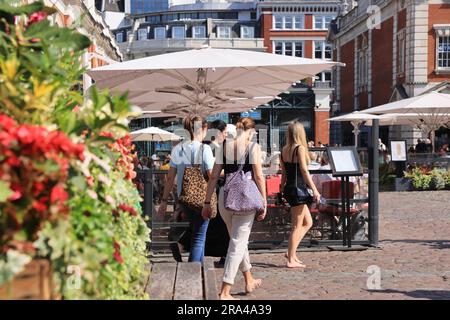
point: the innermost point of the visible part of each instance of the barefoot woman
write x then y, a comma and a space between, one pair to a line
239, 224
294, 166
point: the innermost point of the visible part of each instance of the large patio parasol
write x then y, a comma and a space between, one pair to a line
153, 134
428, 111
206, 81
356, 119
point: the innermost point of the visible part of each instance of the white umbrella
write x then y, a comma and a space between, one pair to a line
206, 81
431, 111
355, 118
429, 103
153, 134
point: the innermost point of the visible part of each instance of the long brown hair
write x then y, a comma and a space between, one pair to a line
296, 135
189, 125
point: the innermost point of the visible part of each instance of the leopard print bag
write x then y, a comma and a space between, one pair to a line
193, 191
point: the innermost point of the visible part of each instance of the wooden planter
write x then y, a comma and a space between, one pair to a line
33, 283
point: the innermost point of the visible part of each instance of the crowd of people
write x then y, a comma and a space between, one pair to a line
225, 179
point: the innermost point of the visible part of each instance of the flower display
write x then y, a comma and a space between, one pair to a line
66, 165
34, 166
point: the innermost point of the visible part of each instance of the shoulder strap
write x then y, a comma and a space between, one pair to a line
294, 153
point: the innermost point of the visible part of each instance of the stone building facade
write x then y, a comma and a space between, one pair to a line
393, 49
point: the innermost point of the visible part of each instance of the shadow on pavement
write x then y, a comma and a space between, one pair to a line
420, 294
434, 244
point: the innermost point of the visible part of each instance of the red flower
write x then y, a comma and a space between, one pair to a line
36, 17
58, 194
38, 206
76, 108
128, 209
118, 257
116, 254
38, 187
16, 195
106, 134
25, 135
90, 181
13, 161
6, 122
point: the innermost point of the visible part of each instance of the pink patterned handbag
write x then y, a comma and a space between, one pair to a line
241, 194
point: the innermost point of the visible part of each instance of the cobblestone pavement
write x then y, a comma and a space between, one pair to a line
414, 258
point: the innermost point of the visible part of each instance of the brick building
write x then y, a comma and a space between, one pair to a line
392, 50
299, 28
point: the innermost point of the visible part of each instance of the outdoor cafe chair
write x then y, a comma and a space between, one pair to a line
331, 192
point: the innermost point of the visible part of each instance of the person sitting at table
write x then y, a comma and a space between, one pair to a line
165, 166
444, 150
319, 178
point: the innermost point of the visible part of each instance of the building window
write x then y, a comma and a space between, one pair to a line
160, 33
178, 32
322, 22
401, 53
223, 32
142, 34
278, 22
322, 50
323, 76
278, 47
289, 48
443, 52
247, 32
362, 66
288, 22
298, 49
119, 37
198, 32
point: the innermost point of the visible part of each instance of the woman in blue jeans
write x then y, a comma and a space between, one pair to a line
182, 156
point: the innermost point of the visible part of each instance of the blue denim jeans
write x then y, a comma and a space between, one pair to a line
198, 228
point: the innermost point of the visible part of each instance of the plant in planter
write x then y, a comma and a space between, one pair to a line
446, 176
34, 167
92, 229
437, 179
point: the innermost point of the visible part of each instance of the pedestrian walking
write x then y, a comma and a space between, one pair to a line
186, 155
295, 180
241, 199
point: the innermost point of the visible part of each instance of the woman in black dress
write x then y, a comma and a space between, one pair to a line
294, 166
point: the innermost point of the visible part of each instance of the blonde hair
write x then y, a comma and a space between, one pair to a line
296, 135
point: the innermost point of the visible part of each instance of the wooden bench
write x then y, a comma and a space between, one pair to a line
183, 281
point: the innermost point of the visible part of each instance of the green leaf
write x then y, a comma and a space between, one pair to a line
5, 191
79, 182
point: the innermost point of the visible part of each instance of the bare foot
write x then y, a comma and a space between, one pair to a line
226, 297
251, 286
295, 264
296, 258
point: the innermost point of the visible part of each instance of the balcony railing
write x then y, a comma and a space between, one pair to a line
140, 46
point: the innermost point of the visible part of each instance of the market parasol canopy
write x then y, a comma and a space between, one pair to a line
428, 103
355, 118
206, 81
432, 111
153, 134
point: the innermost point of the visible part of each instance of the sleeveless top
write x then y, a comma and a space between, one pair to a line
294, 175
233, 167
